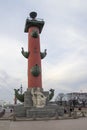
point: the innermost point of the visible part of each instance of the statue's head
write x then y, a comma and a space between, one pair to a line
52, 90
16, 90
38, 89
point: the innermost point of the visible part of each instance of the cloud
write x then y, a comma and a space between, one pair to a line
7, 85
11, 57
68, 74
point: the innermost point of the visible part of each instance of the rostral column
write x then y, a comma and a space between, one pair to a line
34, 27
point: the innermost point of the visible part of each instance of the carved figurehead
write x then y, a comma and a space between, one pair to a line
38, 98
19, 96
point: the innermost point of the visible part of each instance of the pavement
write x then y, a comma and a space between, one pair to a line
69, 124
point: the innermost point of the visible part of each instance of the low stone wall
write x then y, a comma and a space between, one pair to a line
41, 112
48, 111
20, 110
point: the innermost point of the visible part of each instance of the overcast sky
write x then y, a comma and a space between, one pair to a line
64, 36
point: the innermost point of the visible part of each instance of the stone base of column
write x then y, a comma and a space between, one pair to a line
38, 107
40, 113
29, 100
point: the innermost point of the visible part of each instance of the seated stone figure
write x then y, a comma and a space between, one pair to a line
38, 98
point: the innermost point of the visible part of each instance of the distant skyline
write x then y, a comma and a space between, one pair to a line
64, 35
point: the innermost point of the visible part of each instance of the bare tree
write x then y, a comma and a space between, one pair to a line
59, 98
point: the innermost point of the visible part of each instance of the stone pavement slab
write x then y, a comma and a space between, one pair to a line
4, 125
72, 124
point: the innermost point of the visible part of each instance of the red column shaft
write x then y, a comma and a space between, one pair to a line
34, 58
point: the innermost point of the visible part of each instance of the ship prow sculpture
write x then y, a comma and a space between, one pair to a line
35, 100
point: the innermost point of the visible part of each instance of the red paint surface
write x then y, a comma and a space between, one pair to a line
33, 59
